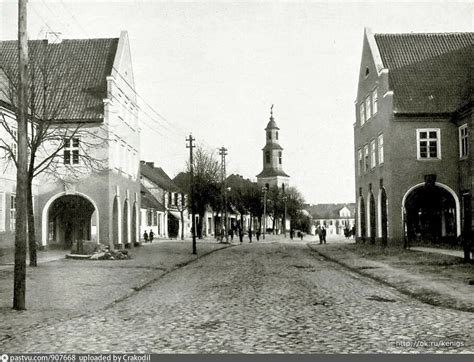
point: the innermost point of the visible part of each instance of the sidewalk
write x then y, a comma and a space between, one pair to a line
60, 289
436, 278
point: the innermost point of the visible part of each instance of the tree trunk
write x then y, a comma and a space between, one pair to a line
31, 226
19, 273
182, 224
199, 226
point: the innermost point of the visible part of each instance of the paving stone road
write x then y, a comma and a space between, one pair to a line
259, 298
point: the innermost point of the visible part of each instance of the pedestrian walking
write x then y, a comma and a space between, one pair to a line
292, 233
323, 232
250, 235
145, 236
231, 233
258, 234
241, 235
151, 235
320, 234
353, 231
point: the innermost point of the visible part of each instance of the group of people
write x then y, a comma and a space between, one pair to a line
148, 236
239, 231
321, 232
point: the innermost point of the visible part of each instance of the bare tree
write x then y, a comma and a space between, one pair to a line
182, 205
50, 133
206, 183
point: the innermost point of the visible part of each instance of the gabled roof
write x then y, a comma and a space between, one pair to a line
429, 73
158, 176
328, 211
148, 201
77, 68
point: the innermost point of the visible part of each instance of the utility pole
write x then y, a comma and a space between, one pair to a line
193, 213
284, 219
223, 153
21, 234
264, 189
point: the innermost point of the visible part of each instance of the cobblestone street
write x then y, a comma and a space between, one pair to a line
258, 298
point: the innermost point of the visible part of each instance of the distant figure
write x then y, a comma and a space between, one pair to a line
292, 233
347, 232
323, 233
258, 234
145, 236
353, 231
231, 233
152, 235
300, 234
250, 235
241, 235
320, 234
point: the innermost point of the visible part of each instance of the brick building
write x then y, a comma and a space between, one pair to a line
412, 137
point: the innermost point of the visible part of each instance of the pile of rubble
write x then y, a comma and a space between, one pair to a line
105, 253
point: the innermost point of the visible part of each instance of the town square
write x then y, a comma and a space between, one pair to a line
236, 178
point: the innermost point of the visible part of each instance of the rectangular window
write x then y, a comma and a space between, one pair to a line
359, 158
71, 151
2, 211
429, 144
149, 216
267, 156
155, 218
279, 158
380, 143
366, 158
367, 108
362, 113
176, 198
463, 141
12, 212
373, 160
374, 101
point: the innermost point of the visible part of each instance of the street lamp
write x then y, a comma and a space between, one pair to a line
284, 219
264, 189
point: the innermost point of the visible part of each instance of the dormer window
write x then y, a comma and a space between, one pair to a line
367, 71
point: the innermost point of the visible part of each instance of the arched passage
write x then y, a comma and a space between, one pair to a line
69, 218
383, 216
361, 219
372, 225
431, 212
125, 223
134, 223
115, 222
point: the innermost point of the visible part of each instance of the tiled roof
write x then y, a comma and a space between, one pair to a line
328, 211
272, 173
429, 73
77, 68
148, 201
158, 176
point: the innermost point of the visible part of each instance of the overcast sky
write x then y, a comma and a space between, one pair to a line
215, 68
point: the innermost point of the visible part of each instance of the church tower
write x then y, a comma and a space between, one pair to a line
273, 173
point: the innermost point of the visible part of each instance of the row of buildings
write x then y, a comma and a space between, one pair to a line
83, 103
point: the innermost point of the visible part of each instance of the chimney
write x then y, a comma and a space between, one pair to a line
53, 37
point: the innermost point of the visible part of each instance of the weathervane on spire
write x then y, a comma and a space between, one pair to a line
271, 111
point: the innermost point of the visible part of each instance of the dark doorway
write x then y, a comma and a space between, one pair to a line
373, 225
430, 215
69, 217
125, 240
363, 231
115, 222
134, 223
173, 226
383, 211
